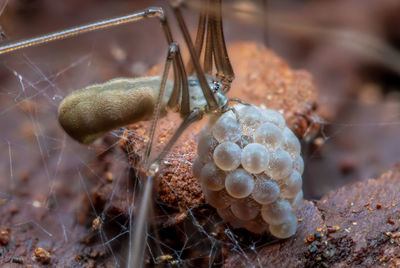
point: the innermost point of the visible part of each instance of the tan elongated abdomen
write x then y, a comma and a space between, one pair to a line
88, 113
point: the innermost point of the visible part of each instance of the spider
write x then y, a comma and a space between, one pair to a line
89, 113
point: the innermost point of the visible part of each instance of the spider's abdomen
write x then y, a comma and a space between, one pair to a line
250, 169
88, 113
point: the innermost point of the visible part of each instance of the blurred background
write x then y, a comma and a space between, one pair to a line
351, 48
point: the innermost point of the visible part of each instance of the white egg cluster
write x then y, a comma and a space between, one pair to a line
250, 168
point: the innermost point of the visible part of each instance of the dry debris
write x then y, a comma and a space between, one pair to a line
4, 237
42, 255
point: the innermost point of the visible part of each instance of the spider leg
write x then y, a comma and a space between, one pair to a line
208, 94
194, 116
146, 13
138, 226
212, 25
208, 54
220, 47
216, 47
211, 13
180, 77
138, 239
172, 53
198, 44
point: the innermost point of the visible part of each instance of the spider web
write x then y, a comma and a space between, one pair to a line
49, 188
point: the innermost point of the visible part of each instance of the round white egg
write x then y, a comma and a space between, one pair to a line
285, 229
277, 212
217, 199
266, 191
212, 177
205, 147
227, 156
291, 143
245, 209
227, 128
196, 167
268, 135
274, 117
255, 158
292, 185
280, 165
239, 183
250, 119
298, 165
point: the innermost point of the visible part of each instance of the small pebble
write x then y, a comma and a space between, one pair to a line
17, 260
42, 255
4, 237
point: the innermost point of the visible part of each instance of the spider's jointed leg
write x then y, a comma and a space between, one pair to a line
146, 13
172, 53
137, 238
